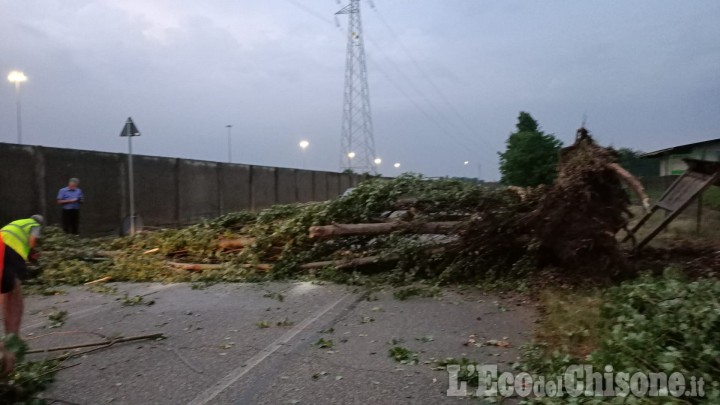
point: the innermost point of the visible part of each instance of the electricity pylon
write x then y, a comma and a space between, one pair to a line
358, 143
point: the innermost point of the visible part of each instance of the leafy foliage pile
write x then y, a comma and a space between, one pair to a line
279, 236
664, 324
28, 379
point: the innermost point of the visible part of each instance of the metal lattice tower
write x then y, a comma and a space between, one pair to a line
358, 143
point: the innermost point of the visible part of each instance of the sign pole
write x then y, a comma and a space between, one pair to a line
131, 181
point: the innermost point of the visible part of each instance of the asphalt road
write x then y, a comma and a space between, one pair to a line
216, 351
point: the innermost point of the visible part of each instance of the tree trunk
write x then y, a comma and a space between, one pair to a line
337, 230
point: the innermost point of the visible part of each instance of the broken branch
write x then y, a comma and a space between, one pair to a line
238, 243
100, 280
195, 266
344, 264
106, 343
209, 266
633, 183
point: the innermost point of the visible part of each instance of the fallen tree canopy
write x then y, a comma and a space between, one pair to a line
494, 232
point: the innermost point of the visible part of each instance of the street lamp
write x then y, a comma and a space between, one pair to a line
229, 128
303, 145
396, 165
18, 77
377, 161
467, 162
351, 155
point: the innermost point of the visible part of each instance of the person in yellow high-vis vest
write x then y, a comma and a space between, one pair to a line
17, 244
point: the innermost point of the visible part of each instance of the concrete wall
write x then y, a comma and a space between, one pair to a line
157, 189
168, 191
305, 180
235, 188
320, 188
199, 189
286, 186
333, 185
263, 184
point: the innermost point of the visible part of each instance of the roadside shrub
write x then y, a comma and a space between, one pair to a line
652, 325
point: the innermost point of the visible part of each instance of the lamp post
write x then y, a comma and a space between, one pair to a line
229, 134
303, 145
377, 161
18, 77
130, 130
396, 165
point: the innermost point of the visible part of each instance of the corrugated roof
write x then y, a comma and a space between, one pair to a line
677, 148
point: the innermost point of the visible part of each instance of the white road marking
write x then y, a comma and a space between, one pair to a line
234, 375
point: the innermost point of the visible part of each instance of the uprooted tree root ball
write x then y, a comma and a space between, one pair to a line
579, 215
406, 228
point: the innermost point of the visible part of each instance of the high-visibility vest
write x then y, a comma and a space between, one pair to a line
16, 235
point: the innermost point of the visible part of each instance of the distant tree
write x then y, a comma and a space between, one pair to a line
628, 156
531, 155
630, 159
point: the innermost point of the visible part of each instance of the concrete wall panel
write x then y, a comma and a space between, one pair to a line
305, 185
286, 186
157, 190
263, 186
334, 189
19, 194
234, 187
320, 188
199, 191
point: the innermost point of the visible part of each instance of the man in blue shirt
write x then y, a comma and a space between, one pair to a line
70, 198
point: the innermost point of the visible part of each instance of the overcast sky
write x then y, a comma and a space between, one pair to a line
447, 78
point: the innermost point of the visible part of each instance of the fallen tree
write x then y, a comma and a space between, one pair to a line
495, 232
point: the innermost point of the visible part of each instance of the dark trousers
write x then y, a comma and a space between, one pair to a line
13, 268
71, 221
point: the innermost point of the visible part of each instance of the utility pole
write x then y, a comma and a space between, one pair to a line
357, 139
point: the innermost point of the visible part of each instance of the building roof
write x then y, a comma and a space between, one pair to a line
680, 149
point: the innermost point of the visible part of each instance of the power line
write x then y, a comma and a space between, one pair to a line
418, 106
426, 76
426, 99
310, 11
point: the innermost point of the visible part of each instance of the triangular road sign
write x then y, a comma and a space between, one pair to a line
130, 129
